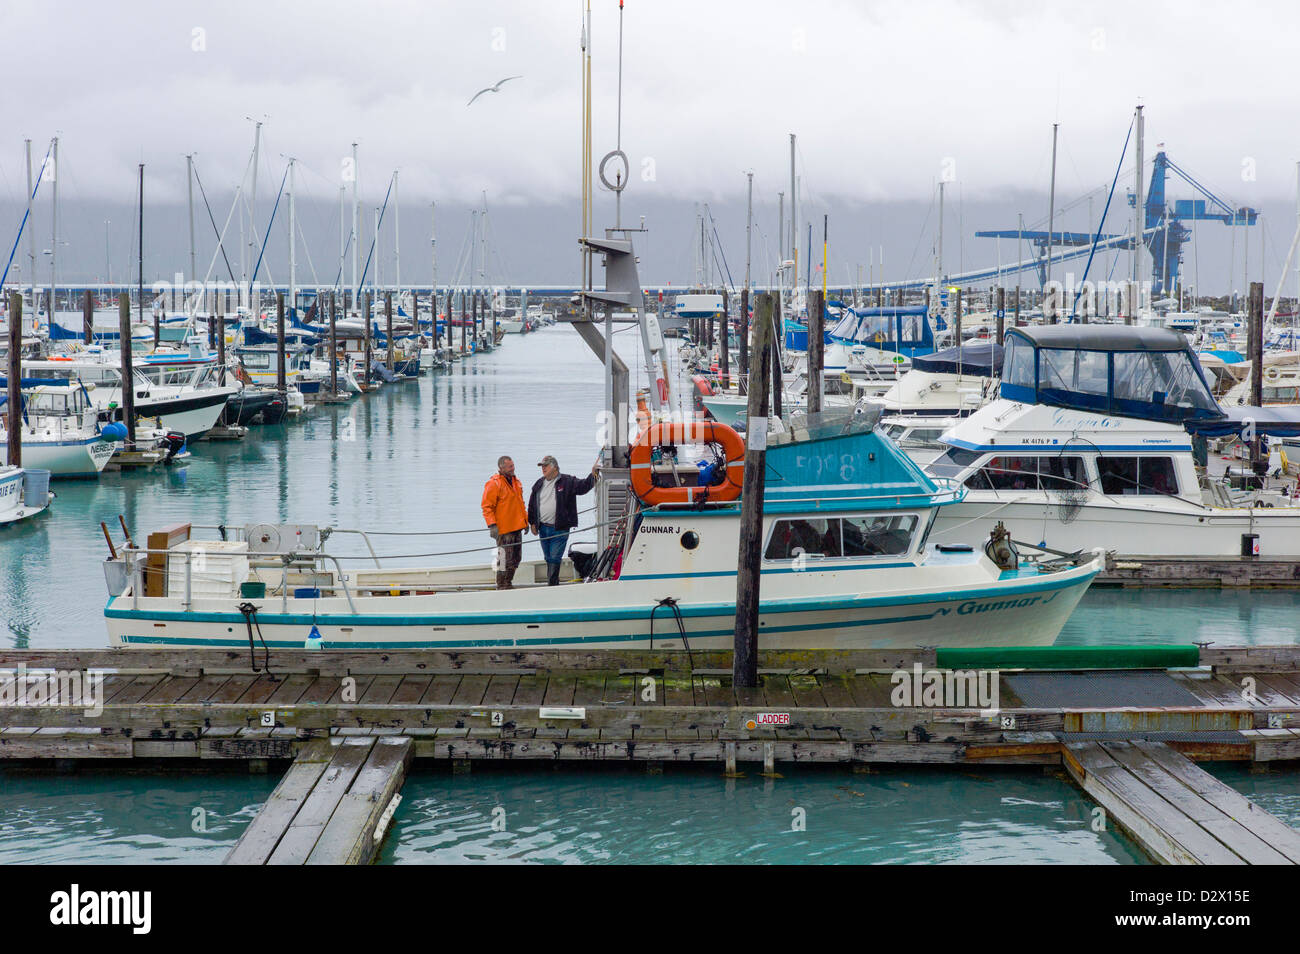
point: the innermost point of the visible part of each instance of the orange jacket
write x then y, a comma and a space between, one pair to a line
503, 504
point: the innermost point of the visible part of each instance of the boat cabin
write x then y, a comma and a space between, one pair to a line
1146, 373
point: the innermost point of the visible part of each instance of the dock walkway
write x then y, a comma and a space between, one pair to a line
1125, 734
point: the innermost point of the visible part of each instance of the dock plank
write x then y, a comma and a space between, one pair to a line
259, 840
351, 836
1164, 831
314, 813
410, 690
1237, 838
1266, 825
441, 688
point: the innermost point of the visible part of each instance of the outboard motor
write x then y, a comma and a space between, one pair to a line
175, 444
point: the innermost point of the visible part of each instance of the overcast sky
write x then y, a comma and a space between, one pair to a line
885, 99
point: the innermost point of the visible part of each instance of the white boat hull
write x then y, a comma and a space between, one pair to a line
938, 605
83, 457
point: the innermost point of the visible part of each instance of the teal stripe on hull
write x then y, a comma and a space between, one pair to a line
1030, 586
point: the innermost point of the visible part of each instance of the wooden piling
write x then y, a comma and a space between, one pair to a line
221, 334
13, 405
1255, 352
388, 327
726, 342
365, 340
87, 317
1016, 322
816, 350
334, 350
774, 336
128, 372
281, 378
956, 327
463, 349
750, 558
742, 351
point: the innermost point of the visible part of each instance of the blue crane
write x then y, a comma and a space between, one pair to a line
1164, 232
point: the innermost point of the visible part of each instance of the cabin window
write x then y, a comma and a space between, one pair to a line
1282, 395
863, 535
1030, 473
1127, 476
952, 462
878, 535
1162, 377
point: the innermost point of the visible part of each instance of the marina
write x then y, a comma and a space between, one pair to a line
412, 452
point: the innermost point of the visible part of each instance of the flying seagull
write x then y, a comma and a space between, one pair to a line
492, 89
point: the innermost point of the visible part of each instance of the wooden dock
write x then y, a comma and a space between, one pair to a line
1226, 573
332, 806
1126, 734
1177, 812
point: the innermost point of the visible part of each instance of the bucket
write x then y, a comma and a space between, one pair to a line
115, 576
252, 590
36, 488
305, 593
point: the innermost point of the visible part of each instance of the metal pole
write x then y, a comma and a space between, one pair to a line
54, 230
189, 185
1051, 220
388, 326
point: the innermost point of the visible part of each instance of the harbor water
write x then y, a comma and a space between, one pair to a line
413, 457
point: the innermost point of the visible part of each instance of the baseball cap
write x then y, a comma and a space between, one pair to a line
548, 459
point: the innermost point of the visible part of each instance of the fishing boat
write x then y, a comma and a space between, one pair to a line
1091, 444
61, 433
187, 399
847, 563
24, 493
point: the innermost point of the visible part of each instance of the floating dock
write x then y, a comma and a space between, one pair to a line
1123, 721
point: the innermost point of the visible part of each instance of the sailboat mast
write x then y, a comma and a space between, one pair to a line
31, 233
356, 231
252, 210
293, 245
397, 242
54, 229
1139, 206
189, 188
126, 345
794, 221
1051, 211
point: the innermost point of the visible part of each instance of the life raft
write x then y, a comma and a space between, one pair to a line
720, 480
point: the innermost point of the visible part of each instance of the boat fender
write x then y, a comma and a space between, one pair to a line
114, 431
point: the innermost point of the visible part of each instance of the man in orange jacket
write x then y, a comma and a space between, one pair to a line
507, 518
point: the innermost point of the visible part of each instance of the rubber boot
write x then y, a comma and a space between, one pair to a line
502, 583
552, 574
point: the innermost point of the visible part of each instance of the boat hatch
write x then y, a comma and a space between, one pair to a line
1146, 373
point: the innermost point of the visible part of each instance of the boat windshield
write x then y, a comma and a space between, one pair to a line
1143, 373
953, 462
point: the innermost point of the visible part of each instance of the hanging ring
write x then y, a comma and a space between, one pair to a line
619, 154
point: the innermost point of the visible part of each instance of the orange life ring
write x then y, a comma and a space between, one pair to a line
725, 486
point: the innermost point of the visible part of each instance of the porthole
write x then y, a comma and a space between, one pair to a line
690, 540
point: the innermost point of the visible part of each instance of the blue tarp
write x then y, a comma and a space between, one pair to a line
983, 358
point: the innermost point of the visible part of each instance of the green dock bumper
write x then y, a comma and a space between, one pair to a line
1070, 657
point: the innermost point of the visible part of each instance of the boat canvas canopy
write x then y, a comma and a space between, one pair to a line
905, 329
980, 358
1145, 373
1280, 421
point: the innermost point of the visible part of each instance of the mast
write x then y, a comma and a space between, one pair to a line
794, 221
1051, 205
126, 345
189, 186
31, 233
433, 256
293, 245
938, 268
397, 242
356, 231
252, 210
54, 229
749, 227
343, 242
1139, 210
